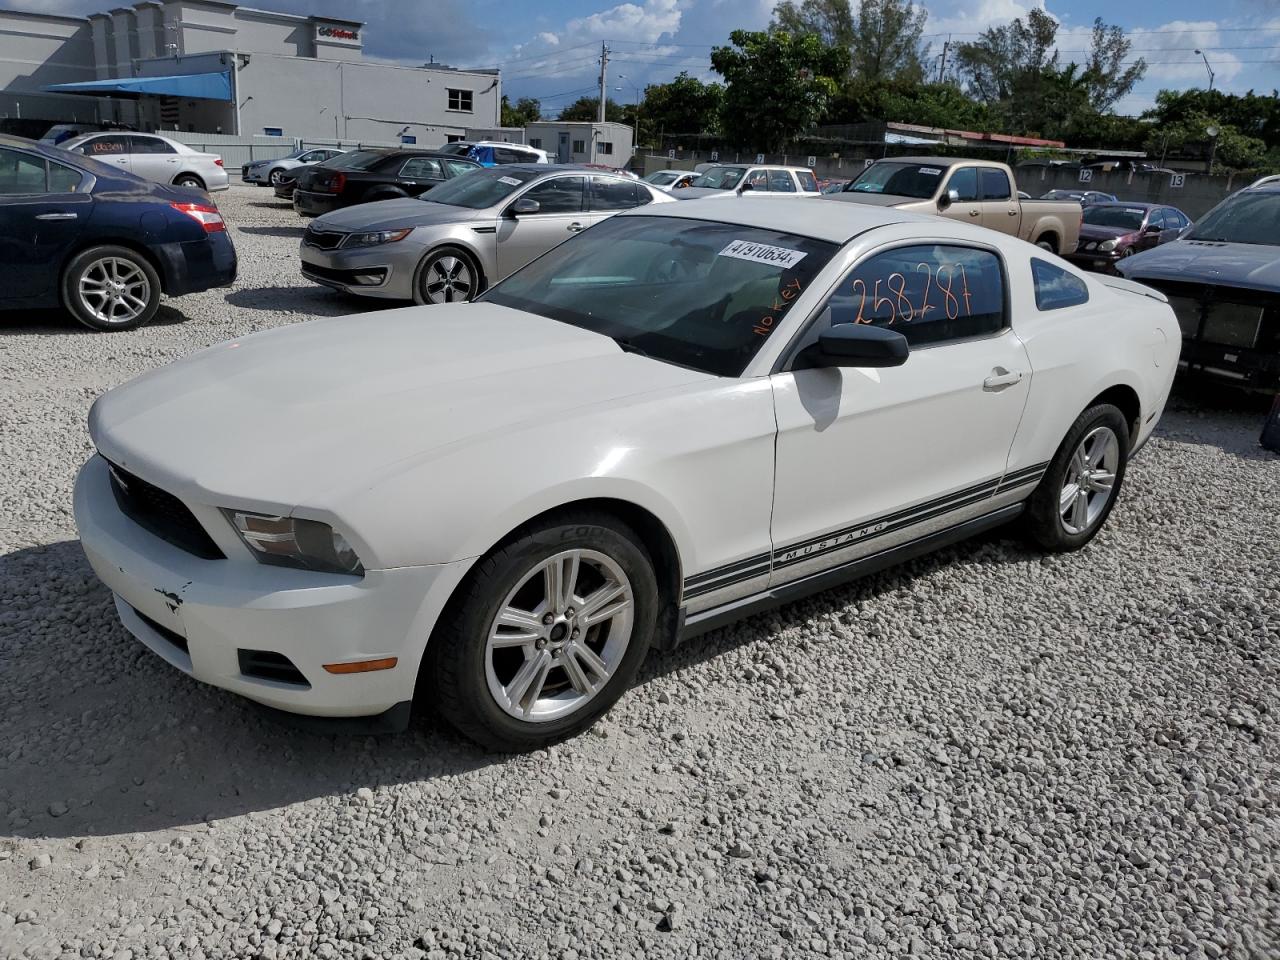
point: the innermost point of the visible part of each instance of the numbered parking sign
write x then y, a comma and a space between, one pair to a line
715, 156
671, 154
811, 161
759, 158
1177, 180
867, 162
1085, 175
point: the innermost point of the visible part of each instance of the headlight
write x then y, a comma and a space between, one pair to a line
1107, 245
374, 239
291, 542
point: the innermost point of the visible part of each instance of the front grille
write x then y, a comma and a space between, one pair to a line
269, 665
162, 514
177, 639
322, 239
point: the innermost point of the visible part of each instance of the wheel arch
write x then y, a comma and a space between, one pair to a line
1124, 398
477, 261
157, 264
1049, 235
193, 175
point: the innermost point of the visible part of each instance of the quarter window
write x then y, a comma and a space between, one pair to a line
964, 185
460, 100
995, 185
930, 293
561, 195
1055, 287
807, 182
422, 168
457, 168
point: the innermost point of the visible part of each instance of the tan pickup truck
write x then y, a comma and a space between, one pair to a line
976, 191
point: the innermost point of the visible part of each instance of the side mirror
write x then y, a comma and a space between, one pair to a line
949, 197
523, 207
745, 187
856, 345
1152, 228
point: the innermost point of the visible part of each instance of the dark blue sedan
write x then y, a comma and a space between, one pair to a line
100, 242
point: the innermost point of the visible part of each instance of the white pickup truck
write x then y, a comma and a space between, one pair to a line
976, 191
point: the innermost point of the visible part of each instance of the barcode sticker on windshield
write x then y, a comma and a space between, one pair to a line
931, 171
509, 181
763, 253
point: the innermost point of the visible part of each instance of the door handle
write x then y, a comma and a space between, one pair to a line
1001, 378
1013, 213
974, 213
56, 216
574, 227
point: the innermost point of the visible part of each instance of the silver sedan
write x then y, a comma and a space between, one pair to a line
465, 235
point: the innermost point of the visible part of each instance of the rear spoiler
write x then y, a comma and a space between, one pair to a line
1129, 286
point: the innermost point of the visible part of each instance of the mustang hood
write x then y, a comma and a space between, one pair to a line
331, 405
1251, 265
395, 214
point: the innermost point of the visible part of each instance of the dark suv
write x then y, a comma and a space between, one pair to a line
363, 176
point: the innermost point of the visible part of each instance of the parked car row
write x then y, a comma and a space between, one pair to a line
153, 157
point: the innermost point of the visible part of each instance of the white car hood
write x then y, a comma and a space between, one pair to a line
280, 418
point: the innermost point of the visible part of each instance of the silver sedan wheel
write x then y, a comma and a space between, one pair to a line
559, 635
276, 177
114, 290
1090, 480
447, 279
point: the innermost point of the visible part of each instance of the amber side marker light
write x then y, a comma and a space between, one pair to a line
362, 666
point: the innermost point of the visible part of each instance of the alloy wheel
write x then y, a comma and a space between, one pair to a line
559, 635
275, 177
1090, 480
447, 279
114, 290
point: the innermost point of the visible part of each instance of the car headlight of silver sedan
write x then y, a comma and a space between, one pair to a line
293, 542
377, 238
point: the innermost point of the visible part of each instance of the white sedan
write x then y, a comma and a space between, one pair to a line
668, 422
153, 157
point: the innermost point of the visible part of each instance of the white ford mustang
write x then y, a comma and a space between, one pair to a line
668, 422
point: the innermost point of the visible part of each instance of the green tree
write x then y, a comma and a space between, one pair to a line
777, 85
1107, 78
831, 20
588, 108
1005, 61
882, 38
685, 105
1190, 137
1256, 115
527, 110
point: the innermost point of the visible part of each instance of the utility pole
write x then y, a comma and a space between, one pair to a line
942, 65
604, 63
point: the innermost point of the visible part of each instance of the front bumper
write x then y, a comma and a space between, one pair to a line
199, 615
351, 270
311, 204
1096, 260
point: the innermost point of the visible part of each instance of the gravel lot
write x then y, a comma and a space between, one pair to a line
985, 754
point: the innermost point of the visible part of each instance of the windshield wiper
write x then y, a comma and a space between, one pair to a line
629, 347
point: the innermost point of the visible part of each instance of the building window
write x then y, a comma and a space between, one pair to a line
453, 138
605, 146
460, 100
273, 131
408, 138
536, 143
579, 146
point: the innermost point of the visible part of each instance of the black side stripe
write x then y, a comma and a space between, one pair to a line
729, 574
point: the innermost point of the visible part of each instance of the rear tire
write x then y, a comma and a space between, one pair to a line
1047, 243
188, 180
1083, 481
545, 634
111, 288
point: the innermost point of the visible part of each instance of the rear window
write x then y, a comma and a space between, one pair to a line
808, 183
357, 160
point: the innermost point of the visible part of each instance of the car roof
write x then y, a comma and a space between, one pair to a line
833, 221
1272, 187
1143, 204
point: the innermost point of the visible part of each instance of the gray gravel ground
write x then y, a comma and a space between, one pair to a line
988, 753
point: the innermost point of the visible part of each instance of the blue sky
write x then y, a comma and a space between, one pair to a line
548, 49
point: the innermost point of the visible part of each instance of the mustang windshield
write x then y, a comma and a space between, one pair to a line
917, 180
480, 188
689, 292
1247, 217
1126, 218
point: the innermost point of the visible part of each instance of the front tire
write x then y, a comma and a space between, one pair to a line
447, 275
547, 633
275, 177
111, 288
1077, 492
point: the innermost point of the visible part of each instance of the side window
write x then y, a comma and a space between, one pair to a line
313, 157
995, 185
780, 182
1156, 219
931, 293
422, 168
1055, 287
63, 179
20, 174
610, 194
964, 185
561, 195
758, 179
103, 147
808, 183
149, 145
457, 168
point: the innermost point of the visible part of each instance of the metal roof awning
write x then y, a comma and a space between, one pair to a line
189, 86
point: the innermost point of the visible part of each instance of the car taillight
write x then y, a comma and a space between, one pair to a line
204, 214
218, 161
337, 183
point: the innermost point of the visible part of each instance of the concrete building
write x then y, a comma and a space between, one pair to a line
582, 142
215, 67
